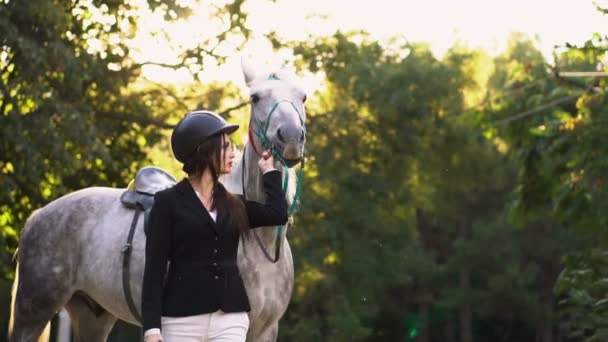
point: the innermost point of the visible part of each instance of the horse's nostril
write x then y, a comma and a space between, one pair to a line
302, 136
280, 136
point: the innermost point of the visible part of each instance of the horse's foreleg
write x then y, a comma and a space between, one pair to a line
89, 324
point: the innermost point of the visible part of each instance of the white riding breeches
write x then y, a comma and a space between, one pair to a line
218, 326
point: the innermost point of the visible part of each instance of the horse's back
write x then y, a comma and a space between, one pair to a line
67, 212
82, 235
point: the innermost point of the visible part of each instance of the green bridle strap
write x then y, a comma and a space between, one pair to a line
261, 133
296, 198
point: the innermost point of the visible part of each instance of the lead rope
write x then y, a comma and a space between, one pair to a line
261, 134
292, 209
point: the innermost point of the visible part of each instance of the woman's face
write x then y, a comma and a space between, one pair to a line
227, 155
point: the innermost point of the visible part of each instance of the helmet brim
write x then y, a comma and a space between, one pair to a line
228, 129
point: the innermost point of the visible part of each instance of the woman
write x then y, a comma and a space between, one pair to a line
195, 226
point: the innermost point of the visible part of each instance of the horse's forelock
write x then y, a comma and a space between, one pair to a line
261, 82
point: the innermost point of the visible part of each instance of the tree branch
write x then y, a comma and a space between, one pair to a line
170, 93
504, 93
228, 110
551, 104
164, 65
139, 120
155, 122
559, 75
583, 74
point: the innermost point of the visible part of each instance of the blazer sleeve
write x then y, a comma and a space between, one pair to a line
157, 254
274, 212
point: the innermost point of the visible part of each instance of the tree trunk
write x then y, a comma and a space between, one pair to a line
450, 328
545, 329
425, 335
466, 331
425, 300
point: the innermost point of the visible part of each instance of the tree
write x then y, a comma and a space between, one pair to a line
554, 129
413, 224
73, 111
402, 185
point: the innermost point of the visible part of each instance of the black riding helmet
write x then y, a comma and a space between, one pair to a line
195, 128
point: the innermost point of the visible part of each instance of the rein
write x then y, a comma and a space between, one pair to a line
292, 209
261, 134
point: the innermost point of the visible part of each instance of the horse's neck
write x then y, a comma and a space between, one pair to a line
234, 181
252, 186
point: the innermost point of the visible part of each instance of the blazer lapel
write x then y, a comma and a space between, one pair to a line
193, 202
221, 216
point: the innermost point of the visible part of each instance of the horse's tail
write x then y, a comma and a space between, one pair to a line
13, 296
46, 334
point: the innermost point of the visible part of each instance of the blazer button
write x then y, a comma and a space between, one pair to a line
216, 238
216, 277
215, 251
215, 264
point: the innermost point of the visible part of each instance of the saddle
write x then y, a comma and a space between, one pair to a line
140, 191
139, 196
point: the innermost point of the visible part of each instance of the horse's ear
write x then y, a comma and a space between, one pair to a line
288, 68
248, 71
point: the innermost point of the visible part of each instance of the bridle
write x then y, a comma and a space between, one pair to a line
260, 130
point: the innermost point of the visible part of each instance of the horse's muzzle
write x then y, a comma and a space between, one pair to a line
292, 153
292, 162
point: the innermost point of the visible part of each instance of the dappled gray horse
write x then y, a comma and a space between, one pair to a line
71, 250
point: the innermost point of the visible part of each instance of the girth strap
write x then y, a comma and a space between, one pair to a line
126, 262
277, 246
139, 196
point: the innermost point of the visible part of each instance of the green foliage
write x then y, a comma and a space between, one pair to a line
560, 153
74, 111
440, 194
406, 194
70, 116
63, 111
583, 286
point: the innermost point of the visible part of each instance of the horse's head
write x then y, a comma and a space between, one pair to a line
277, 113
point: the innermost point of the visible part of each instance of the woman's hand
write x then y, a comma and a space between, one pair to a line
154, 338
266, 163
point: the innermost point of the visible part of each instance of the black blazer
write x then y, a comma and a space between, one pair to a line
203, 276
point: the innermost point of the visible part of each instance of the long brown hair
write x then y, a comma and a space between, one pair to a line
209, 155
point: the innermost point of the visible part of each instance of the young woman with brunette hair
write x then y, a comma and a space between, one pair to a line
195, 228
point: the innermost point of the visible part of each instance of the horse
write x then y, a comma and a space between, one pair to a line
71, 251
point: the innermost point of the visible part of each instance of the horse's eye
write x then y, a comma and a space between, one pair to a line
255, 98
304, 99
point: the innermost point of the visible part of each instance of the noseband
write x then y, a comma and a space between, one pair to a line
261, 130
